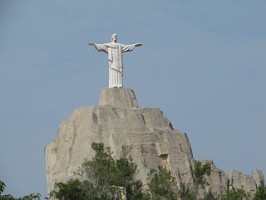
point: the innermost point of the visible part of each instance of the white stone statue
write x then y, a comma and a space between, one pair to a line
115, 59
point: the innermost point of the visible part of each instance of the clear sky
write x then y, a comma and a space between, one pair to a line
203, 63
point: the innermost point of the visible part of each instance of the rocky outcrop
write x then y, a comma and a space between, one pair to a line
249, 183
118, 121
217, 181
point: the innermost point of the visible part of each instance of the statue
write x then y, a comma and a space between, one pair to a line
114, 51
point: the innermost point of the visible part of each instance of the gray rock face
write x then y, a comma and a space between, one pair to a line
118, 97
217, 181
249, 183
149, 136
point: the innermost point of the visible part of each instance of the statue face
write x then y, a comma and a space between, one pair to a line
114, 37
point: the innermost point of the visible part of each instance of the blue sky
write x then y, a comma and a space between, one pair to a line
202, 63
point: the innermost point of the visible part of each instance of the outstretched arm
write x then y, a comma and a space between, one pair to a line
130, 47
99, 47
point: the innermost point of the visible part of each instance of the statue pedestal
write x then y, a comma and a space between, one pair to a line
118, 97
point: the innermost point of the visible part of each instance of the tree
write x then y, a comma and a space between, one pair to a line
2, 186
162, 184
111, 179
200, 171
33, 196
210, 196
73, 189
260, 193
236, 194
107, 179
185, 193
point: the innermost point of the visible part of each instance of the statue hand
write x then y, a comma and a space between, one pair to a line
91, 44
138, 44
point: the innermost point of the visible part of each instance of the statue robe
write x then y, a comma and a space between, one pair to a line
115, 58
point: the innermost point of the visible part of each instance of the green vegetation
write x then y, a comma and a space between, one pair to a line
110, 179
186, 193
236, 194
199, 173
260, 193
10, 197
105, 178
162, 184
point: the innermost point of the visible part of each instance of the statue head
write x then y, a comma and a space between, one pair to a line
114, 37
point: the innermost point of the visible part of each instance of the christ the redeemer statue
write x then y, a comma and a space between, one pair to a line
114, 51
